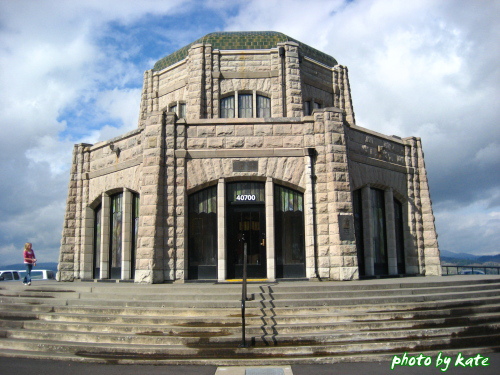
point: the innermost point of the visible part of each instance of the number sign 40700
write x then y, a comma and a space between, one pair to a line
246, 197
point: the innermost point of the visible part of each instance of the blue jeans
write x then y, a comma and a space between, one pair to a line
27, 278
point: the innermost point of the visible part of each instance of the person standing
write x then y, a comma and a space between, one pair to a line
29, 262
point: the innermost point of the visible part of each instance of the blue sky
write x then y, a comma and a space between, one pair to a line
71, 72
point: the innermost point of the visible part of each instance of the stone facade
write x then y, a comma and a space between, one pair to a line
320, 155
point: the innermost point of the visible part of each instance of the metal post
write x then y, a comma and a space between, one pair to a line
244, 294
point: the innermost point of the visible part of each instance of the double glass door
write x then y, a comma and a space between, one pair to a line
246, 227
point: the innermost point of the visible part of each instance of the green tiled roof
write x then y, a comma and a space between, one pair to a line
244, 40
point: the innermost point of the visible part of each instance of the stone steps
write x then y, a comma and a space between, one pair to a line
286, 322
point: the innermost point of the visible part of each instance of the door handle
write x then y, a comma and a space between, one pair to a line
263, 242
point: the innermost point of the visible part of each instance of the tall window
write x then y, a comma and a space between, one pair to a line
115, 245
379, 239
310, 106
400, 252
97, 241
227, 107
179, 108
202, 235
289, 225
245, 108
263, 106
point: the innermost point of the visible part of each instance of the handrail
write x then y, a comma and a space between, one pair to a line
244, 297
464, 270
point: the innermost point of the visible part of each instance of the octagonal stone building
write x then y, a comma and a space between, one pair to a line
248, 139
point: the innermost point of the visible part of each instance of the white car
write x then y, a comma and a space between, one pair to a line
10, 275
471, 272
40, 274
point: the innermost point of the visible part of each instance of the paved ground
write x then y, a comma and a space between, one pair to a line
14, 366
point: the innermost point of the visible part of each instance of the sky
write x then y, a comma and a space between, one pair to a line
71, 71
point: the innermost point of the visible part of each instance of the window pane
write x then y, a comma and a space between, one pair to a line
173, 108
379, 232
245, 105
116, 231
246, 192
263, 106
289, 224
202, 242
182, 110
307, 108
227, 107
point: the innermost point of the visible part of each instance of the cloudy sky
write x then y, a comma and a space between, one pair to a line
71, 71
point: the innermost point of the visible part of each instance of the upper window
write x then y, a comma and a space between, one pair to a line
249, 105
227, 107
179, 108
310, 106
263, 106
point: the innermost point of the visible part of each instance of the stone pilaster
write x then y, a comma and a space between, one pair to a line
342, 245
342, 93
71, 243
127, 235
196, 82
293, 81
430, 242
269, 240
151, 231
368, 230
415, 240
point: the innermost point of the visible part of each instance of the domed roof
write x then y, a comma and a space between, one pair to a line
241, 40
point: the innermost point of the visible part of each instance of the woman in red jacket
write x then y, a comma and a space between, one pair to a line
29, 262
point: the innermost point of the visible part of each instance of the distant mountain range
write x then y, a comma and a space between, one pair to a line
451, 257
20, 266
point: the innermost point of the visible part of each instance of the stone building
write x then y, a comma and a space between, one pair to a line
248, 139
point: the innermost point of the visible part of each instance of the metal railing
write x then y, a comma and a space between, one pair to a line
470, 270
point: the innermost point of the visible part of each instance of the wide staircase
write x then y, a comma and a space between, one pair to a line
286, 322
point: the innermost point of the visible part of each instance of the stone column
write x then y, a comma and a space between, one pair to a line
178, 254
151, 231
127, 235
221, 231
338, 204
368, 230
196, 82
105, 235
87, 268
390, 223
293, 81
269, 241
430, 242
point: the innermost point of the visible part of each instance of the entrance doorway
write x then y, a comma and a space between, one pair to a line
246, 224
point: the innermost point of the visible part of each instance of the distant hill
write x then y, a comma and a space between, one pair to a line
20, 266
464, 259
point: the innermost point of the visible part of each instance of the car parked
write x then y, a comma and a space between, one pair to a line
471, 272
40, 274
10, 275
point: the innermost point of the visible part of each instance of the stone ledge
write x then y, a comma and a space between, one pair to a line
241, 153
